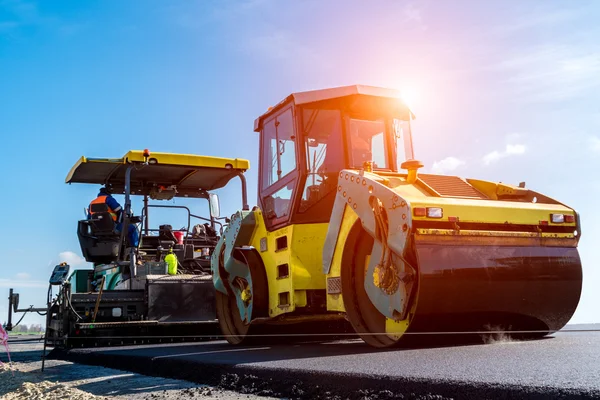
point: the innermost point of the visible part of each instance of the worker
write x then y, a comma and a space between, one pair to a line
116, 211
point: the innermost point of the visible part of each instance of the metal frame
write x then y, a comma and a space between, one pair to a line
294, 175
126, 215
298, 177
190, 215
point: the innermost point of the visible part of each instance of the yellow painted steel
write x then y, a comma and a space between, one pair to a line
335, 302
167, 159
491, 212
305, 246
483, 211
302, 256
188, 159
508, 234
396, 329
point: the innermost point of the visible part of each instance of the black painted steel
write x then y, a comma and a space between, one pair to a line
181, 301
471, 287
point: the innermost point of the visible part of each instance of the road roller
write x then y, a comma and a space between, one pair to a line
346, 227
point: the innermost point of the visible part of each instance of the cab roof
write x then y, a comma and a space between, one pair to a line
192, 175
323, 95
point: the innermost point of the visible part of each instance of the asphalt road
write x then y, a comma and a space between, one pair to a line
564, 365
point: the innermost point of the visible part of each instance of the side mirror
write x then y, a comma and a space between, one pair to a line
215, 209
15, 302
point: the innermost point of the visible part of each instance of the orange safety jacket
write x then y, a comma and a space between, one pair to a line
102, 200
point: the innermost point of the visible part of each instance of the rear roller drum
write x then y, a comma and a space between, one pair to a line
230, 322
246, 299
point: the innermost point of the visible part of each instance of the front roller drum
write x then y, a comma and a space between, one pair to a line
530, 290
464, 288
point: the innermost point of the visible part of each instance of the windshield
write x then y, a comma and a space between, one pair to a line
367, 143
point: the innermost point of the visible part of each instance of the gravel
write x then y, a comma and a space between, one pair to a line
67, 380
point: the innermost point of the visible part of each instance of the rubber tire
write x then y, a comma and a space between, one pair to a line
236, 332
230, 322
366, 320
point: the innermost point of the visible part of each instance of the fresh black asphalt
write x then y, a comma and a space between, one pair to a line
564, 365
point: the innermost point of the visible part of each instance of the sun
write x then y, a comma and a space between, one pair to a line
409, 92
410, 96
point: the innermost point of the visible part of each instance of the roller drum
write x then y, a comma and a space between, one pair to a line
472, 288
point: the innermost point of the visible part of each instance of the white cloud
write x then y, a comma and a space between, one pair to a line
492, 157
71, 258
515, 149
23, 275
510, 150
446, 165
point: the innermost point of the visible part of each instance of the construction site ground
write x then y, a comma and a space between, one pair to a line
61, 379
563, 365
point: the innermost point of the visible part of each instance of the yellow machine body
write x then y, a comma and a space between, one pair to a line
392, 251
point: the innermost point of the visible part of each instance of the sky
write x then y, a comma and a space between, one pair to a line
502, 90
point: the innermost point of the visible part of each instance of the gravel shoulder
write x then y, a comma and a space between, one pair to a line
67, 380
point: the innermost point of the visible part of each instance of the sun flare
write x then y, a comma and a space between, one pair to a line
410, 96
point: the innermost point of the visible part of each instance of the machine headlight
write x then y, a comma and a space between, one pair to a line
429, 212
434, 212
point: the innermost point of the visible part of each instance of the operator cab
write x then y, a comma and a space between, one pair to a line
309, 137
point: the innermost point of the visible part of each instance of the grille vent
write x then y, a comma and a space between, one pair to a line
451, 186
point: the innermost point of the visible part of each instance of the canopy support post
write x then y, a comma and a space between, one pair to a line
245, 205
126, 214
146, 215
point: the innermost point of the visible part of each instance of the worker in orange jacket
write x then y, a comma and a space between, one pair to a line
115, 210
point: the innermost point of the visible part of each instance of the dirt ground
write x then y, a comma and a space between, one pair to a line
66, 380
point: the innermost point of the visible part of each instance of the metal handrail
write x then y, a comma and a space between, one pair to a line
189, 217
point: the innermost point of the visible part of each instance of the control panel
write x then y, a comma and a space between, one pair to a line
60, 274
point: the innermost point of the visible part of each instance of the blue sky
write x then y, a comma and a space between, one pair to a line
507, 91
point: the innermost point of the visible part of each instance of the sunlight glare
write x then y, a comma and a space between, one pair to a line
410, 96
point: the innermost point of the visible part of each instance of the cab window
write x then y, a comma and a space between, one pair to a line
278, 142
279, 167
367, 143
324, 158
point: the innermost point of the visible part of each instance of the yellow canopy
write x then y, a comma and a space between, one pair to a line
190, 175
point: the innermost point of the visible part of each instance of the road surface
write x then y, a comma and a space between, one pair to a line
564, 365
66, 380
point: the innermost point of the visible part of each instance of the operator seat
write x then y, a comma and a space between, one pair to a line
98, 238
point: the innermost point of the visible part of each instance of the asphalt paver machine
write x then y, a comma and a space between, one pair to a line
347, 227
131, 295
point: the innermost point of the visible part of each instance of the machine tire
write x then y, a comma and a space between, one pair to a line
232, 326
237, 332
366, 320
